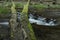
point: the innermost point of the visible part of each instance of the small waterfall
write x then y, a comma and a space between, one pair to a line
42, 21
4, 23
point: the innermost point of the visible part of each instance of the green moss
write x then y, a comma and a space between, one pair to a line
4, 10
39, 6
19, 4
31, 32
25, 12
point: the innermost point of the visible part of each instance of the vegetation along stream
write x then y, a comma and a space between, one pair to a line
29, 21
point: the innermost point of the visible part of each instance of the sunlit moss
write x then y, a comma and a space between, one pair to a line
25, 9
28, 25
13, 21
13, 10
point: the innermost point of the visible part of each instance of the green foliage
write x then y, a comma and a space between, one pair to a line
39, 6
4, 10
19, 4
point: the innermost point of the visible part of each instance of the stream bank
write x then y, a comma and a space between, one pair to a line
42, 32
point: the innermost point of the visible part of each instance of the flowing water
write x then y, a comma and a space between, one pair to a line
4, 29
35, 21
42, 21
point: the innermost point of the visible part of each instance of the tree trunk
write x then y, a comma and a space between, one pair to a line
26, 27
13, 25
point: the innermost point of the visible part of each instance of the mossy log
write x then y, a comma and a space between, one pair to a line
25, 24
13, 22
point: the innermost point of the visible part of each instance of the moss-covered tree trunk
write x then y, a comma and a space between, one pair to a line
16, 31
13, 22
24, 31
13, 26
26, 27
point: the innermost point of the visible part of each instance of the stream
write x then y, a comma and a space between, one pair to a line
38, 20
